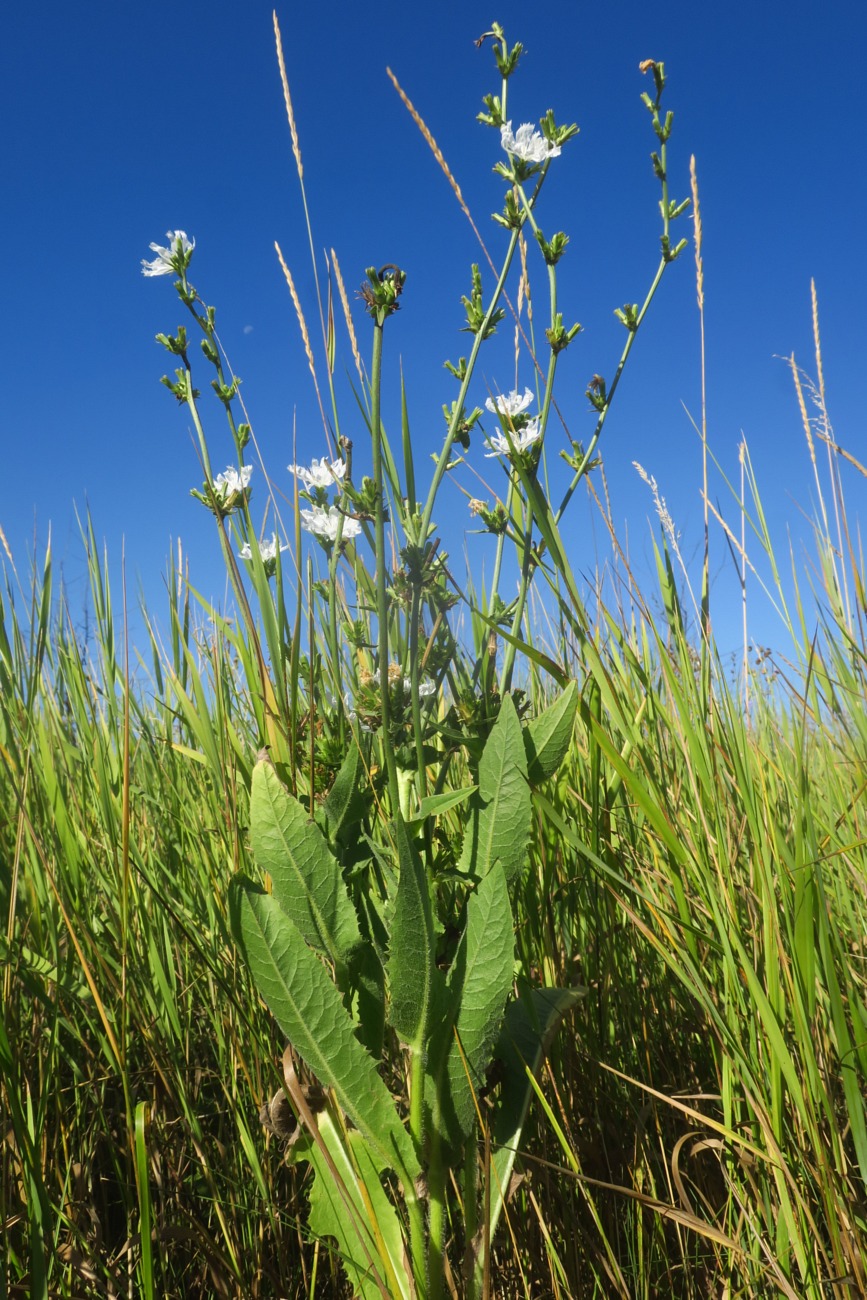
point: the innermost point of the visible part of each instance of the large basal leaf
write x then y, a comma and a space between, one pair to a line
547, 737
478, 985
356, 1213
308, 1007
306, 878
411, 961
499, 828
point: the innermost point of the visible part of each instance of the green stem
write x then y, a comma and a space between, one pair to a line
274, 712
526, 574
333, 644
501, 541
415, 617
200, 432
206, 325
436, 1222
443, 458
597, 432
418, 1239
381, 572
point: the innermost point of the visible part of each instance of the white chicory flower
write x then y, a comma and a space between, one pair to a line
164, 262
527, 144
426, 687
509, 406
321, 473
522, 440
324, 523
231, 481
267, 550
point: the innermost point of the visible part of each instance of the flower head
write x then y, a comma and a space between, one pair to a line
228, 491
268, 551
232, 480
521, 440
509, 406
528, 145
321, 473
172, 260
325, 523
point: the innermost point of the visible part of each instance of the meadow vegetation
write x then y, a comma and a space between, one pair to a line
563, 925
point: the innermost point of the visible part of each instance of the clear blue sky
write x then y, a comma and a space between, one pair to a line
123, 120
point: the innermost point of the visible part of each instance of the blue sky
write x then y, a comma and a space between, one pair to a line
125, 120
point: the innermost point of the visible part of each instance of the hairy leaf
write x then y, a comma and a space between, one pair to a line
345, 804
367, 983
411, 962
478, 986
547, 737
499, 829
308, 1007
306, 878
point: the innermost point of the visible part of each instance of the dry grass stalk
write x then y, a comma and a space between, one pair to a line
434, 147
296, 149
299, 313
305, 336
347, 316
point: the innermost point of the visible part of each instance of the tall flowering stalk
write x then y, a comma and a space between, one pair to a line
383, 940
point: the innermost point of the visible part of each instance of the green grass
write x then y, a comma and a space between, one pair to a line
701, 872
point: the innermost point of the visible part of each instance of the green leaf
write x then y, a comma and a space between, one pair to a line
547, 737
499, 829
529, 1028
345, 804
356, 1213
309, 1009
411, 962
306, 877
531, 652
367, 982
438, 803
478, 986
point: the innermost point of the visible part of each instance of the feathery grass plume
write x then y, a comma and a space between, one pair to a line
438, 154
305, 336
814, 302
823, 432
296, 148
696, 222
434, 148
802, 407
347, 316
